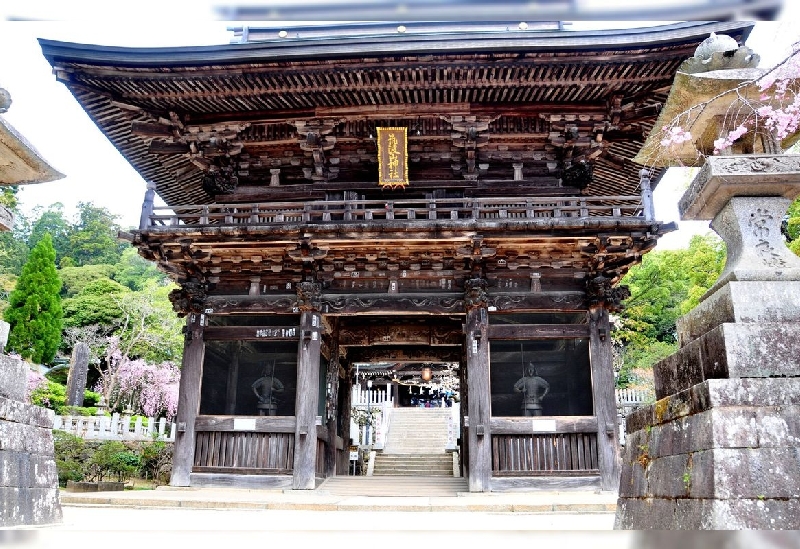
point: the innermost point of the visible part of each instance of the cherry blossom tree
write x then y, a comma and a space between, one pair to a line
148, 389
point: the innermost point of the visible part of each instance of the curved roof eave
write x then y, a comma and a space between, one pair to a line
443, 42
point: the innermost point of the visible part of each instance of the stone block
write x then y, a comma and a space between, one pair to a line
43, 472
731, 351
726, 179
665, 374
645, 514
14, 509
13, 378
690, 514
742, 302
665, 476
45, 506
25, 438
639, 419
707, 514
73, 486
701, 478
633, 477
753, 514
11, 467
5, 329
756, 472
106, 486
748, 392
21, 412
762, 350
777, 426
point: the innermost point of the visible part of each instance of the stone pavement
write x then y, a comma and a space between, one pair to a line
564, 502
228, 517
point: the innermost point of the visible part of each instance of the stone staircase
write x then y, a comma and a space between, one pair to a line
415, 444
394, 486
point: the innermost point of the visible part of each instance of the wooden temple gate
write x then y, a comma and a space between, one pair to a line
489, 234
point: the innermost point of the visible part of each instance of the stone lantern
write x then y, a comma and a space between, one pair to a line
720, 448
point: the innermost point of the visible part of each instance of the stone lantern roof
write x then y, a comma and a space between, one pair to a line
20, 162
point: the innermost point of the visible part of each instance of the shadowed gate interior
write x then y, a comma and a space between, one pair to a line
246, 424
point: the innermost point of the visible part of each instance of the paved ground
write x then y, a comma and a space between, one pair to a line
142, 528
231, 518
567, 502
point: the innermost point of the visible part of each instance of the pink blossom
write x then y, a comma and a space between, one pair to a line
35, 381
675, 136
149, 389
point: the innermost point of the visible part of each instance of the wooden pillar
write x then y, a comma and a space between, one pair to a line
332, 398
147, 206
605, 407
345, 411
479, 436
307, 400
188, 400
235, 349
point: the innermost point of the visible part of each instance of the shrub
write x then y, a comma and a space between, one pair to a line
50, 395
77, 411
113, 459
71, 456
156, 461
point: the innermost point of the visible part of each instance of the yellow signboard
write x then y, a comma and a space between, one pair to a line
392, 157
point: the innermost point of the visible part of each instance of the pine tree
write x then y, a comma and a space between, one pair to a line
35, 312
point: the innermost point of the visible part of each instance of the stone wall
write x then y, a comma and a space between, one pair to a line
723, 454
28, 477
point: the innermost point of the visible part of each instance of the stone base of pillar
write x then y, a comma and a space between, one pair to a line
28, 476
723, 454
720, 449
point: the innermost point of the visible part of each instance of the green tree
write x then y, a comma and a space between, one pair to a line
52, 222
75, 279
135, 272
93, 239
150, 329
13, 244
793, 227
34, 310
97, 303
666, 285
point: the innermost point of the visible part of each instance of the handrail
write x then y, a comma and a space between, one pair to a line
411, 210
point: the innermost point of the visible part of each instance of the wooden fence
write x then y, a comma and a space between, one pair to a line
243, 453
544, 454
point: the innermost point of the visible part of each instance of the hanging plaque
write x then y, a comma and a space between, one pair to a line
392, 157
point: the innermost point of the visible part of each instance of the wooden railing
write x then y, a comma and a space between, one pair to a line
541, 454
250, 445
341, 211
116, 427
561, 445
243, 453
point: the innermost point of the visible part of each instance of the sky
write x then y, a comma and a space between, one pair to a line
45, 112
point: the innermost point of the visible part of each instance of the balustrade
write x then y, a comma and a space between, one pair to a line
116, 427
416, 211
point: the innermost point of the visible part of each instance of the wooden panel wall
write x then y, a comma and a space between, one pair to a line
543, 454
320, 465
243, 452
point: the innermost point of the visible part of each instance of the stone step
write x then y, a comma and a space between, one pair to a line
421, 467
395, 486
418, 467
412, 473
